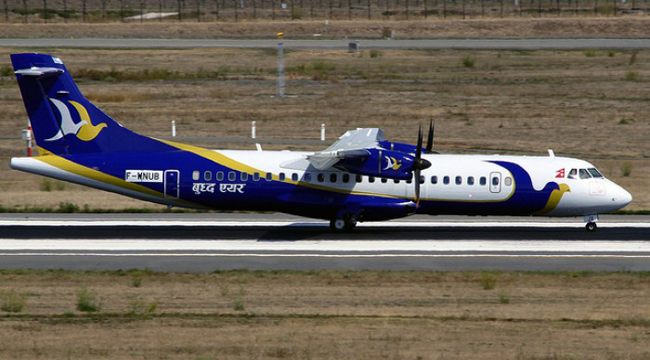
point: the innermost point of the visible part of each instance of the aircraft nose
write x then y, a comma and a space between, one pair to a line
621, 197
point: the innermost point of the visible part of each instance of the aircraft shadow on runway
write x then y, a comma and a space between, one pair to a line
314, 232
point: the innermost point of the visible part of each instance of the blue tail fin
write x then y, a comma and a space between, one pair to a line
63, 121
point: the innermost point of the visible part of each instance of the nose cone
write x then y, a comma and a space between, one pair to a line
621, 197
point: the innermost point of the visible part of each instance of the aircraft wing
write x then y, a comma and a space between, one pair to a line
351, 145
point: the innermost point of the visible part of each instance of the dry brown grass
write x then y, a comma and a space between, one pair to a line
332, 315
574, 102
433, 28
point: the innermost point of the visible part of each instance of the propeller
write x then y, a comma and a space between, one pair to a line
419, 165
430, 138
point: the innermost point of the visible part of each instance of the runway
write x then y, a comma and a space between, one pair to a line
475, 44
207, 242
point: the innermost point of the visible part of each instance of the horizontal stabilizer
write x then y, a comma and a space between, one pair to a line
39, 71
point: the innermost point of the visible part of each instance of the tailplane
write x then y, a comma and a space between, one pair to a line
64, 122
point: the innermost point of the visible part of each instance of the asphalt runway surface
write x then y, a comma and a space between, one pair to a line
476, 44
207, 242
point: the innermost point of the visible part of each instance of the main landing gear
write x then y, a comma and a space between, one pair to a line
345, 223
591, 222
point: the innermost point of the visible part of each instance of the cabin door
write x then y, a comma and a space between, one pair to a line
172, 182
495, 182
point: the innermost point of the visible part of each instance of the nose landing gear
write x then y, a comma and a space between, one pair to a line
591, 222
591, 226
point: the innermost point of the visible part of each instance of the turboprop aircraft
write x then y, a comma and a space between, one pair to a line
361, 177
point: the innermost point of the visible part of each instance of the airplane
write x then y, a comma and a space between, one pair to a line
361, 177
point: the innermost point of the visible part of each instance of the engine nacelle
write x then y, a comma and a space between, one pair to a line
400, 147
380, 163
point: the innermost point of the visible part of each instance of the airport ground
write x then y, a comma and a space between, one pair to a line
591, 104
327, 315
548, 26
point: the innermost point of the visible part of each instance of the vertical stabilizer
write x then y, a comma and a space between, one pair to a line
64, 122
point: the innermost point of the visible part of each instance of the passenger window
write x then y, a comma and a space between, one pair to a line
584, 174
459, 180
195, 175
495, 180
320, 177
346, 178
384, 180
232, 176
282, 177
269, 176
307, 177
333, 178
470, 180
445, 180
421, 179
595, 173
371, 179
573, 173
207, 175
359, 178
256, 176
434, 179
244, 176
508, 181
219, 175
483, 181
294, 177
396, 181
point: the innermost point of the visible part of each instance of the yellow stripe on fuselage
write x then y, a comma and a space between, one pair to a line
221, 159
72, 167
69, 166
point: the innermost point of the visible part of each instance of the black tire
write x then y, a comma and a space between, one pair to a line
591, 226
346, 223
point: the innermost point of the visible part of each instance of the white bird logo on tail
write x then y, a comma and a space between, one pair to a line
84, 129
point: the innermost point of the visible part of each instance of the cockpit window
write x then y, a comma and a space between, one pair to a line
584, 174
573, 173
595, 173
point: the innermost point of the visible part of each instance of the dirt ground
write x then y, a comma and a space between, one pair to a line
590, 104
624, 26
327, 315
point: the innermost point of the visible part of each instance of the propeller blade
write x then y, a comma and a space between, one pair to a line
416, 179
418, 150
418, 164
430, 138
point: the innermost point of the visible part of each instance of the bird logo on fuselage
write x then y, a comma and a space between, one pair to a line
84, 130
392, 163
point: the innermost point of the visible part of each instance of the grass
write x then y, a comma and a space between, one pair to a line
626, 169
632, 75
329, 314
140, 307
12, 301
88, 300
469, 61
487, 281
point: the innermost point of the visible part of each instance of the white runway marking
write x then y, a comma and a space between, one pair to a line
329, 246
334, 255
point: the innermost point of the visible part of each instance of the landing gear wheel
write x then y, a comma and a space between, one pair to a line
344, 224
591, 226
